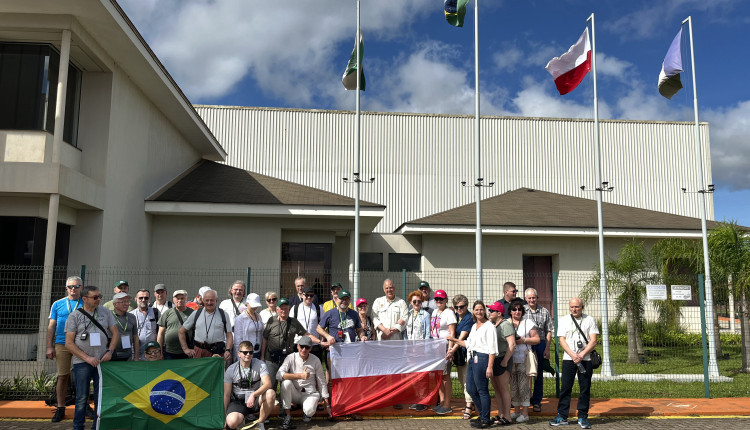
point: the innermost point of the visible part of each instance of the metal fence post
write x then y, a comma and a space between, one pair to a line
403, 283
247, 280
554, 335
83, 274
701, 300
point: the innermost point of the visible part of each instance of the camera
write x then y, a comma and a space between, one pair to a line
256, 347
84, 336
518, 337
579, 345
244, 384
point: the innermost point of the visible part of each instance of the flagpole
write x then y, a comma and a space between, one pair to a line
478, 185
713, 368
606, 363
357, 179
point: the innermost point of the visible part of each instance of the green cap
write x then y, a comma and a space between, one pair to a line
152, 344
424, 284
344, 293
122, 282
335, 285
282, 301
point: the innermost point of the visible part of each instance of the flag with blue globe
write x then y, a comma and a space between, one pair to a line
185, 394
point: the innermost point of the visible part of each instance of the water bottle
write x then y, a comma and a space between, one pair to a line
581, 369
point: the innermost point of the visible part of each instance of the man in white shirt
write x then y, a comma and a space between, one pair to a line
235, 304
578, 345
146, 320
308, 314
389, 313
303, 382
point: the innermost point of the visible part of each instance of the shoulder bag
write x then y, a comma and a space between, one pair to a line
596, 359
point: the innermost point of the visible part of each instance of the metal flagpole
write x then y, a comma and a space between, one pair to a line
357, 180
601, 188
713, 368
478, 185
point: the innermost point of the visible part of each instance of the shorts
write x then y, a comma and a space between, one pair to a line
240, 407
497, 368
63, 359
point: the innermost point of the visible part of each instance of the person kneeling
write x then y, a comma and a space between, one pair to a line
247, 390
303, 382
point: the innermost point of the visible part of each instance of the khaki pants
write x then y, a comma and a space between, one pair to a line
290, 394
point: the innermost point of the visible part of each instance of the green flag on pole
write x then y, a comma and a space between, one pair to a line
171, 394
455, 11
350, 78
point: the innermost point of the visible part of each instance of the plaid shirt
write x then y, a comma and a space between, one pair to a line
542, 318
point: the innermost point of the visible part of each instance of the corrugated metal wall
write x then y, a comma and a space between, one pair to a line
419, 160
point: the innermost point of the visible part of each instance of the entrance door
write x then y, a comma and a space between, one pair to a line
311, 260
537, 274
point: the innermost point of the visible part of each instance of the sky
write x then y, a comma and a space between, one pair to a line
292, 53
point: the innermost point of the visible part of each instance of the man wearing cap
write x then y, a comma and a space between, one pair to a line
146, 319
129, 344
302, 382
170, 323
121, 287
234, 305
152, 351
278, 338
58, 315
90, 343
247, 390
308, 314
211, 330
335, 288
543, 321
197, 302
341, 324
428, 300
161, 303
389, 313
299, 284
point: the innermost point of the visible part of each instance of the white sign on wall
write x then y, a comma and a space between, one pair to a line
682, 292
656, 292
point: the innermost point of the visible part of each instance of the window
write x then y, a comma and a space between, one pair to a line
371, 261
28, 89
400, 261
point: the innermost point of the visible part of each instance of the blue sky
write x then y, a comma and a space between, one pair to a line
291, 53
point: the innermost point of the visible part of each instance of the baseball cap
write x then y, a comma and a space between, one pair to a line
497, 306
120, 295
122, 282
179, 292
424, 284
158, 287
152, 344
344, 293
253, 300
336, 285
282, 301
361, 301
308, 289
305, 341
441, 294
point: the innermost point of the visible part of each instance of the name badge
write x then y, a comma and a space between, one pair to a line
95, 339
125, 342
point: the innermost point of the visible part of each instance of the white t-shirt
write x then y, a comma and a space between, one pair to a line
568, 330
440, 322
228, 307
524, 328
308, 316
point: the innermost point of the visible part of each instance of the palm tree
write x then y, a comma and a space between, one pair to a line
677, 261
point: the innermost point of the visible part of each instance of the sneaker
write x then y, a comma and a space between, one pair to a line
420, 408
559, 421
252, 424
522, 419
90, 414
440, 410
306, 419
59, 415
413, 407
584, 422
286, 423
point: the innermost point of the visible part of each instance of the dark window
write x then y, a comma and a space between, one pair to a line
400, 261
371, 261
28, 89
311, 260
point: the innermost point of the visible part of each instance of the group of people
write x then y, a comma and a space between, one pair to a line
287, 342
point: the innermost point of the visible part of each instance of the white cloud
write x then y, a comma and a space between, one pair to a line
508, 58
730, 144
609, 66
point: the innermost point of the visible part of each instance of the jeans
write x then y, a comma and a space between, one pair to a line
84, 373
536, 395
476, 384
568, 374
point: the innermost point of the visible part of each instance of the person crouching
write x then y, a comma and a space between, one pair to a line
303, 382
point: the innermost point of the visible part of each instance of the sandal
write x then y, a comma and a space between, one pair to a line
467, 411
504, 421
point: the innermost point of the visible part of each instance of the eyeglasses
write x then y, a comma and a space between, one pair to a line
97, 297
142, 298
245, 352
152, 353
272, 300
458, 308
74, 287
306, 346
416, 302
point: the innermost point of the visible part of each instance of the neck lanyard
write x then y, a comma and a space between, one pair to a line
86, 329
205, 320
117, 317
160, 307
77, 304
140, 325
256, 324
342, 320
307, 317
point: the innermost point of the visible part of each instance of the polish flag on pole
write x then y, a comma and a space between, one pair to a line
374, 375
569, 69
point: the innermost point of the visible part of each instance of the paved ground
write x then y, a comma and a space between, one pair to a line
617, 423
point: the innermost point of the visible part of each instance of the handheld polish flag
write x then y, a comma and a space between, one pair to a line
350, 78
569, 69
669, 77
374, 375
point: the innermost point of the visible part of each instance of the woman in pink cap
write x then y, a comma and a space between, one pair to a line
443, 326
365, 319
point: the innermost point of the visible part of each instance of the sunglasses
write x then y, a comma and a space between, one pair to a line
93, 297
272, 300
245, 352
492, 311
438, 299
513, 291
142, 298
306, 346
309, 296
152, 353
74, 287
416, 302
516, 310
458, 308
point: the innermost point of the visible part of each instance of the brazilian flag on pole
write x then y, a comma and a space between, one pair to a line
166, 394
455, 11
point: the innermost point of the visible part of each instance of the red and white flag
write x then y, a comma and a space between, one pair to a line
569, 69
374, 375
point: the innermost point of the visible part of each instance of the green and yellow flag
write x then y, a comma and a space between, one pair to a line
455, 11
166, 394
350, 78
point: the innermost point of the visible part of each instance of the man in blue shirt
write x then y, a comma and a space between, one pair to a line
341, 324
56, 341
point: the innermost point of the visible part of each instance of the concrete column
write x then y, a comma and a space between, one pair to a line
54, 199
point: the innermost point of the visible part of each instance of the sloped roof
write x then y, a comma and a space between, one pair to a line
211, 182
526, 207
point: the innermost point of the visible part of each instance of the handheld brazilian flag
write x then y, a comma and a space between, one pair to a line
455, 11
172, 394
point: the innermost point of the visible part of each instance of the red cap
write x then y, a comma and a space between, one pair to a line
441, 294
361, 300
497, 306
